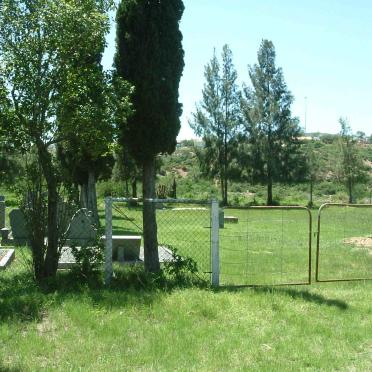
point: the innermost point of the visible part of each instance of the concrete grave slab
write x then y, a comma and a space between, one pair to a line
6, 257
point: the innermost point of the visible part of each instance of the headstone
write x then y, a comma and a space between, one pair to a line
2, 214
81, 230
4, 234
2, 198
18, 226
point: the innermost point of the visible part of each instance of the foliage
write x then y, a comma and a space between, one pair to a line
126, 170
182, 269
272, 131
217, 117
89, 259
150, 57
351, 167
162, 191
37, 42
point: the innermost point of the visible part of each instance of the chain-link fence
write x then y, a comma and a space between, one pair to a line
183, 227
344, 244
265, 246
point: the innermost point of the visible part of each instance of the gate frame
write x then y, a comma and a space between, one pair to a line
214, 233
317, 262
282, 207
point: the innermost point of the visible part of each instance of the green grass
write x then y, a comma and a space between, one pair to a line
325, 326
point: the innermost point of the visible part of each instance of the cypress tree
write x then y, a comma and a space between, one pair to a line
150, 57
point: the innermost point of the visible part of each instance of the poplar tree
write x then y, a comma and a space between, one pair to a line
351, 167
270, 127
217, 116
150, 57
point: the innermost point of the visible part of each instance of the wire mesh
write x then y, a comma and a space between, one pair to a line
182, 227
344, 246
186, 228
266, 246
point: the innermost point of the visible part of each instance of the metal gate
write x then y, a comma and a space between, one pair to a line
344, 243
184, 227
265, 246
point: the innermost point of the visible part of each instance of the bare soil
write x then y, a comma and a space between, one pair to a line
360, 242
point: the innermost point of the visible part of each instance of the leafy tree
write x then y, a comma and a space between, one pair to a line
351, 167
361, 136
217, 116
37, 40
150, 57
313, 167
126, 170
272, 131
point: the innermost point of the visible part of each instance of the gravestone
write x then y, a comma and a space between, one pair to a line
18, 226
81, 230
2, 214
2, 198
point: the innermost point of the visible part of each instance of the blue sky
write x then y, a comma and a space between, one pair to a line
324, 48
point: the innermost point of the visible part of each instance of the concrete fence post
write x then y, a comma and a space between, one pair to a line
215, 243
108, 248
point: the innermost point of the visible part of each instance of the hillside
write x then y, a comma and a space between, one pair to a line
183, 165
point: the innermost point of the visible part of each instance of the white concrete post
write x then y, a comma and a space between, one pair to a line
215, 244
108, 248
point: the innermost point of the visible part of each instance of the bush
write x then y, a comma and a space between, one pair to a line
89, 259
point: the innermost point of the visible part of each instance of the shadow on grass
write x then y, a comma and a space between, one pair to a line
304, 295
4, 368
23, 300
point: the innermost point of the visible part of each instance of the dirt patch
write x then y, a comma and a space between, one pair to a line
360, 242
182, 172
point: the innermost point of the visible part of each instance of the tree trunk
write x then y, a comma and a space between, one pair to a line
269, 184
84, 195
149, 219
52, 254
350, 189
134, 188
269, 192
222, 188
92, 197
311, 193
225, 173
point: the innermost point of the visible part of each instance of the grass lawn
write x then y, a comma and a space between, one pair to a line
325, 326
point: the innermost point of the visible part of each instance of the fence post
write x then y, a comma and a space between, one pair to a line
215, 244
108, 248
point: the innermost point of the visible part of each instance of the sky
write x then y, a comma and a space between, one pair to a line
323, 46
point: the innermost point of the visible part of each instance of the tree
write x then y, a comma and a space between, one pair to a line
217, 116
150, 57
37, 38
313, 167
351, 167
271, 129
126, 170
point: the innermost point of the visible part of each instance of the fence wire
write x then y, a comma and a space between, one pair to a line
344, 245
182, 227
265, 246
